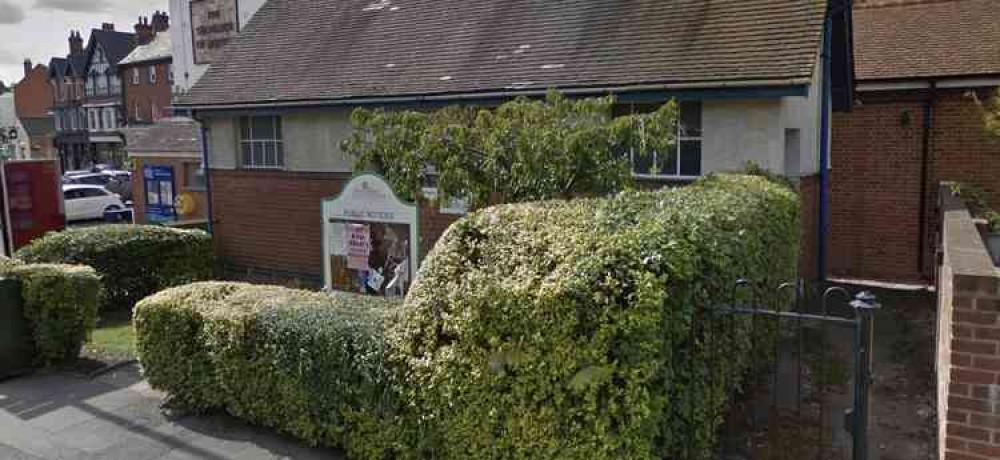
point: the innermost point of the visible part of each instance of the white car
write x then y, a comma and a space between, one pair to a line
85, 202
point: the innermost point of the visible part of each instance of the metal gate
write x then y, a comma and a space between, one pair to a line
807, 392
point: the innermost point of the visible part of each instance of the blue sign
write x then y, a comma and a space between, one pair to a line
159, 182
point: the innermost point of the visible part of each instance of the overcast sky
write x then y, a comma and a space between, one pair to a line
39, 29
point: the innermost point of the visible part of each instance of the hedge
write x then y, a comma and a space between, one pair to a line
577, 330
60, 305
309, 364
133, 260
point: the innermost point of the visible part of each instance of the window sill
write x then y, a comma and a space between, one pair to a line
263, 168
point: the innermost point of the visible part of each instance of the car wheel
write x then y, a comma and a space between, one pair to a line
117, 217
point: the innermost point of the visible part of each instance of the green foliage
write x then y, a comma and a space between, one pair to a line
754, 169
978, 202
525, 150
309, 364
580, 329
133, 260
60, 305
991, 116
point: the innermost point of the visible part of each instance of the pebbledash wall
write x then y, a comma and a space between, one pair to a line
968, 366
267, 223
876, 178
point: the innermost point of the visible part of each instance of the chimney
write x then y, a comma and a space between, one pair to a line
108, 26
27, 67
161, 22
143, 32
75, 43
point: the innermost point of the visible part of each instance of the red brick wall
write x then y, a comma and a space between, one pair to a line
146, 95
875, 181
267, 225
809, 219
33, 95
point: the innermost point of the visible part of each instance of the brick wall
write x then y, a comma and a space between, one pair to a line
968, 364
268, 224
180, 182
33, 95
142, 97
875, 181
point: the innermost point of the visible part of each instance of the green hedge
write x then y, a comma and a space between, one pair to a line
134, 260
577, 330
60, 305
309, 364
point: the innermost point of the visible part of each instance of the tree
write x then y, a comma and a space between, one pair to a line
991, 115
3, 88
524, 150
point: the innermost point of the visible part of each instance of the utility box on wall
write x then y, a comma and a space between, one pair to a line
32, 200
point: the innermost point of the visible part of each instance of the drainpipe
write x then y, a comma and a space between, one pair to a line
824, 147
208, 176
929, 103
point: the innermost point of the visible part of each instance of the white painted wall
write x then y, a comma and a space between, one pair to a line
186, 72
735, 132
312, 141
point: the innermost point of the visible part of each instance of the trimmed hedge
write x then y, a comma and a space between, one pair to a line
134, 260
60, 305
309, 364
577, 330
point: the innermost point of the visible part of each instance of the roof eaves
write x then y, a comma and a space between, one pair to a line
793, 84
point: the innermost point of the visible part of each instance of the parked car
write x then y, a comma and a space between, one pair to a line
98, 178
86, 202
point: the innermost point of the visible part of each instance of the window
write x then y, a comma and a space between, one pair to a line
153, 114
793, 151
91, 120
93, 192
152, 74
194, 176
682, 163
170, 73
135, 75
261, 144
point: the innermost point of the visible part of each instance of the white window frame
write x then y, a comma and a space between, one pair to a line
680, 139
152, 74
254, 143
135, 76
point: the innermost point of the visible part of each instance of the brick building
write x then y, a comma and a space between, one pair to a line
67, 77
147, 72
921, 67
33, 102
276, 104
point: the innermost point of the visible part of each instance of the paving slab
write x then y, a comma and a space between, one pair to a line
64, 416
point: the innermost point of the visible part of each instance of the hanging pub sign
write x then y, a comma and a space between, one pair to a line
370, 239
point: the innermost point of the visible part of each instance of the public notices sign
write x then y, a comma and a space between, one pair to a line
213, 24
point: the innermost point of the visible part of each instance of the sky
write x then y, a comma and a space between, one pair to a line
39, 29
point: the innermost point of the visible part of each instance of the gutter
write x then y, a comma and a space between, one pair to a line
927, 140
510, 93
207, 170
824, 147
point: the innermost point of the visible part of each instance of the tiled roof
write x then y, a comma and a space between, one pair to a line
57, 67
39, 126
180, 136
116, 45
155, 50
912, 39
322, 50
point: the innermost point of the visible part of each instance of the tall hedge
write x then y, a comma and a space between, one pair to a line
134, 260
579, 330
60, 305
309, 364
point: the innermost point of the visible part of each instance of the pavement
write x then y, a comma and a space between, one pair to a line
66, 416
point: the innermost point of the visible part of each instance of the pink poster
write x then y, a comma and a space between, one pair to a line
357, 238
